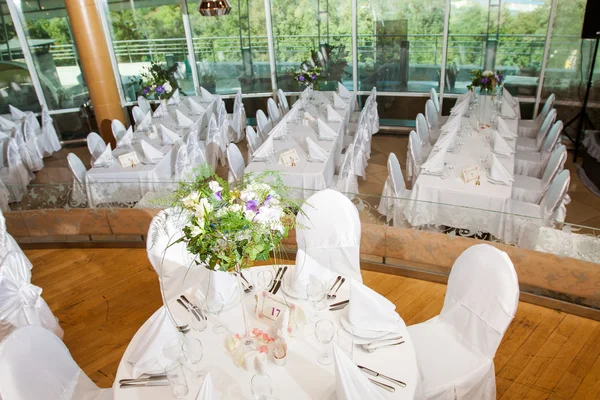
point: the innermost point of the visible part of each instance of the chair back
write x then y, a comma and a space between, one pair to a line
236, 163
221, 113
77, 167
433, 96
95, 145
144, 104
21, 303
555, 195
35, 364
253, 142
182, 164
328, 234
118, 129
545, 128
237, 103
555, 165
422, 129
431, 114
395, 172
414, 156
548, 105
262, 122
138, 114
552, 138
274, 114
481, 298
283, 103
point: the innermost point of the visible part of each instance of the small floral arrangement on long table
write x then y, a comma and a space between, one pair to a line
309, 76
486, 80
159, 82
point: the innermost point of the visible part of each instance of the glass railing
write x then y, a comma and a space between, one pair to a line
563, 239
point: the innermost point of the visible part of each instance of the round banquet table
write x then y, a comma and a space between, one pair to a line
301, 378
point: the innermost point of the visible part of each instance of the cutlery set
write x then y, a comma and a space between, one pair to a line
145, 381
278, 279
191, 308
376, 374
332, 293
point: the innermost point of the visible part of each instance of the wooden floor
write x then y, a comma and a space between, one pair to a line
102, 297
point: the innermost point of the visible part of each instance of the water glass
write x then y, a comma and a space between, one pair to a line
214, 305
172, 349
324, 332
198, 325
261, 386
315, 292
177, 381
345, 341
193, 350
263, 280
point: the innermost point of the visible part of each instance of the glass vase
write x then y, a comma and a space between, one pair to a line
247, 341
484, 107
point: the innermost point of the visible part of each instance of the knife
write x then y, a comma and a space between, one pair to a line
144, 379
377, 374
341, 303
193, 306
277, 286
275, 280
383, 385
143, 384
190, 310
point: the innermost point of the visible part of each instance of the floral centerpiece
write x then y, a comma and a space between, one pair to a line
486, 80
309, 76
159, 82
327, 65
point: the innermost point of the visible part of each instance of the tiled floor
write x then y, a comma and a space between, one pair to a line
584, 208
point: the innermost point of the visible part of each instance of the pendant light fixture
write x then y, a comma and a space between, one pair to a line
214, 8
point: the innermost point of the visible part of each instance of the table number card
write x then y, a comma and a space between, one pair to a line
289, 158
471, 174
269, 307
129, 159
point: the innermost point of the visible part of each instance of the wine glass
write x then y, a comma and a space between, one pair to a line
345, 340
324, 333
214, 305
315, 291
193, 351
263, 279
197, 324
172, 349
261, 386
176, 378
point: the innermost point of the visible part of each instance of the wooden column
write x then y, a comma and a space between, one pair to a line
96, 65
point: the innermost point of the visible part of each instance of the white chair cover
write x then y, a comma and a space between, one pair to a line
195, 151
328, 234
33, 147
214, 144
48, 129
15, 113
431, 115
253, 142
33, 130
144, 105
455, 350
95, 146
274, 114
535, 144
283, 103
21, 303
531, 190
394, 191
433, 96
182, 166
529, 128
347, 182
533, 163
221, 113
78, 192
33, 351
236, 163
238, 124
423, 131
15, 174
138, 114
263, 124
118, 129
414, 157
23, 150
6, 125
9, 244
4, 197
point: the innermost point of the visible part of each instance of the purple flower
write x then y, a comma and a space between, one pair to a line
484, 81
500, 79
313, 77
160, 90
147, 89
267, 199
301, 78
218, 195
252, 205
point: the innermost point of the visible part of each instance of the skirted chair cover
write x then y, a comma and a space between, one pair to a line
394, 192
33, 145
346, 181
21, 303
8, 244
35, 365
79, 196
15, 174
328, 234
19, 138
455, 350
532, 163
236, 163
530, 189
414, 157
49, 131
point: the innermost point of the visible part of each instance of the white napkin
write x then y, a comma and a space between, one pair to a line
435, 163
148, 356
175, 99
507, 110
460, 108
167, 136
371, 311
207, 391
507, 96
316, 152
127, 138
150, 152
281, 326
105, 158
446, 140
221, 287
338, 102
15, 113
280, 131
332, 115
6, 125
453, 123
182, 120
350, 382
196, 108
146, 122
206, 95
500, 145
343, 92
309, 117
325, 132
161, 111
498, 172
265, 151
307, 270
504, 129
464, 97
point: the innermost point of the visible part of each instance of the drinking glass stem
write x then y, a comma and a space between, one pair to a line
238, 270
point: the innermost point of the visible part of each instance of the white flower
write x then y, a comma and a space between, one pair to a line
204, 207
197, 230
214, 186
167, 86
488, 73
235, 208
191, 200
249, 214
269, 215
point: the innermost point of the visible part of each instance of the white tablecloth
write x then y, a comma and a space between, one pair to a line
308, 177
452, 202
302, 378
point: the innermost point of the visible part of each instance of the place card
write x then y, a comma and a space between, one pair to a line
129, 159
471, 174
270, 306
289, 158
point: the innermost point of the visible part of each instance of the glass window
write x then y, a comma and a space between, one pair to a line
301, 27
400, 44
54, 54
145, 34
232, 51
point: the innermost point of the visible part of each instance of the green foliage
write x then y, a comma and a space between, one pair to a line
159, 82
